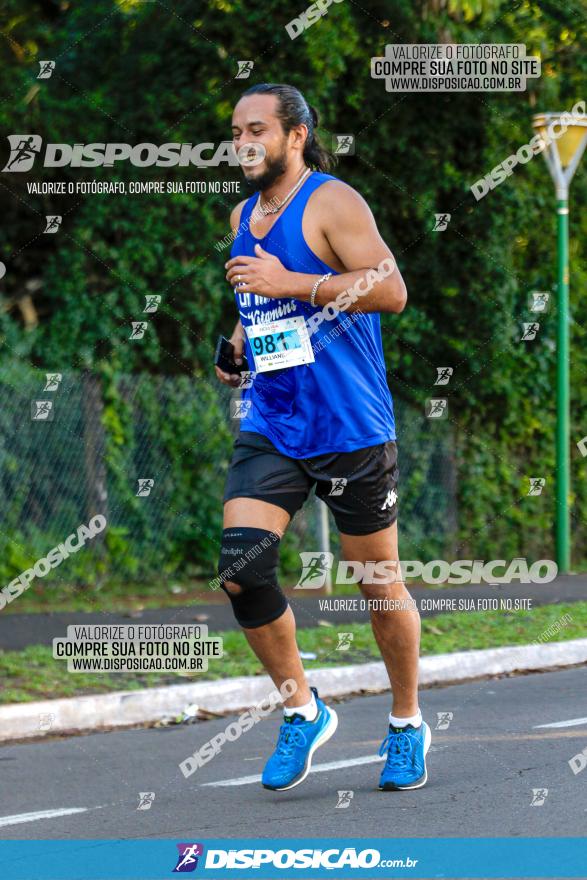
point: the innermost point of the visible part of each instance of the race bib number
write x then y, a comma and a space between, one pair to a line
280, 344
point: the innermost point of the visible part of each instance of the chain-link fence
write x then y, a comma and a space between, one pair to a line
151, 455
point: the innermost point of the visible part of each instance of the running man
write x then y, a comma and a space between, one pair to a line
319, 412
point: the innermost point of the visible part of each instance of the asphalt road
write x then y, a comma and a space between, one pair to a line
482, 771
19, 630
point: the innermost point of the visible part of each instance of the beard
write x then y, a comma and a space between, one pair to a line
275, 167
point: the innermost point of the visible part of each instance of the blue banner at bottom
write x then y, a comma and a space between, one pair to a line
274, 859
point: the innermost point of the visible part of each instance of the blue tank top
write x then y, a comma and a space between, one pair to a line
341, 401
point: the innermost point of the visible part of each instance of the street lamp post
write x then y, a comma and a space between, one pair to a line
563, 151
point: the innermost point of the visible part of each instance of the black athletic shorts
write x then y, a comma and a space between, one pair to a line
359, 487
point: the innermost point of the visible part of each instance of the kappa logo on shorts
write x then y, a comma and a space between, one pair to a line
390, 500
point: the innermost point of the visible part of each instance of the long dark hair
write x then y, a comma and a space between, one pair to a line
293, 109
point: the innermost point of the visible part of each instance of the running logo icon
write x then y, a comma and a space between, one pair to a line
344, 145
344, 641
539, 795
444, 374
46, 721
530, 331
245, 380
152, 302
146, 799
24, 148
240, 408
338, 485
437, 408
53, 381
539, 301
46, 69
441, 222
42, 410
315, 567
53, 222
189, 854
138, 329
444, 719
344, 799
537, 484
245, 69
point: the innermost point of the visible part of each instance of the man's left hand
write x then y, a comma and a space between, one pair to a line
264, 274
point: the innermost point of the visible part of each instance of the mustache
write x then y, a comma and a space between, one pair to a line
275, 168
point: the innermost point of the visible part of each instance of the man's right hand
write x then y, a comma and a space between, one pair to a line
238, 340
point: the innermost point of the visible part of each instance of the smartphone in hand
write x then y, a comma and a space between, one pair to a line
224, 357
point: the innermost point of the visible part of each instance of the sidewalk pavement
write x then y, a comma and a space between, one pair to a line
19, 630
131, 708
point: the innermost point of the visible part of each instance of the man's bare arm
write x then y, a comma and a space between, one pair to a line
352, 233
350, 229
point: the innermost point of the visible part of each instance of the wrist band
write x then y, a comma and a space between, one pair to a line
316, 286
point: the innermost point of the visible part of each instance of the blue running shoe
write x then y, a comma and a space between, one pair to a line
405, 766
298, 740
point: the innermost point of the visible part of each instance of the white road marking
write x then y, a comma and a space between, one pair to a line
317, 768
19, 818
572, 722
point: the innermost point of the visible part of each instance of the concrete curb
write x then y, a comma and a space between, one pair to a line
128, 708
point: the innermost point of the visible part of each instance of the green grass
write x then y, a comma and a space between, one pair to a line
43, 596
120, 596
32, 674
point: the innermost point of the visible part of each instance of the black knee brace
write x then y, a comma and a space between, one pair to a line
249, 558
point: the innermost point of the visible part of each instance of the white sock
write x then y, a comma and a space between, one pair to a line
414, 720
308, 711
